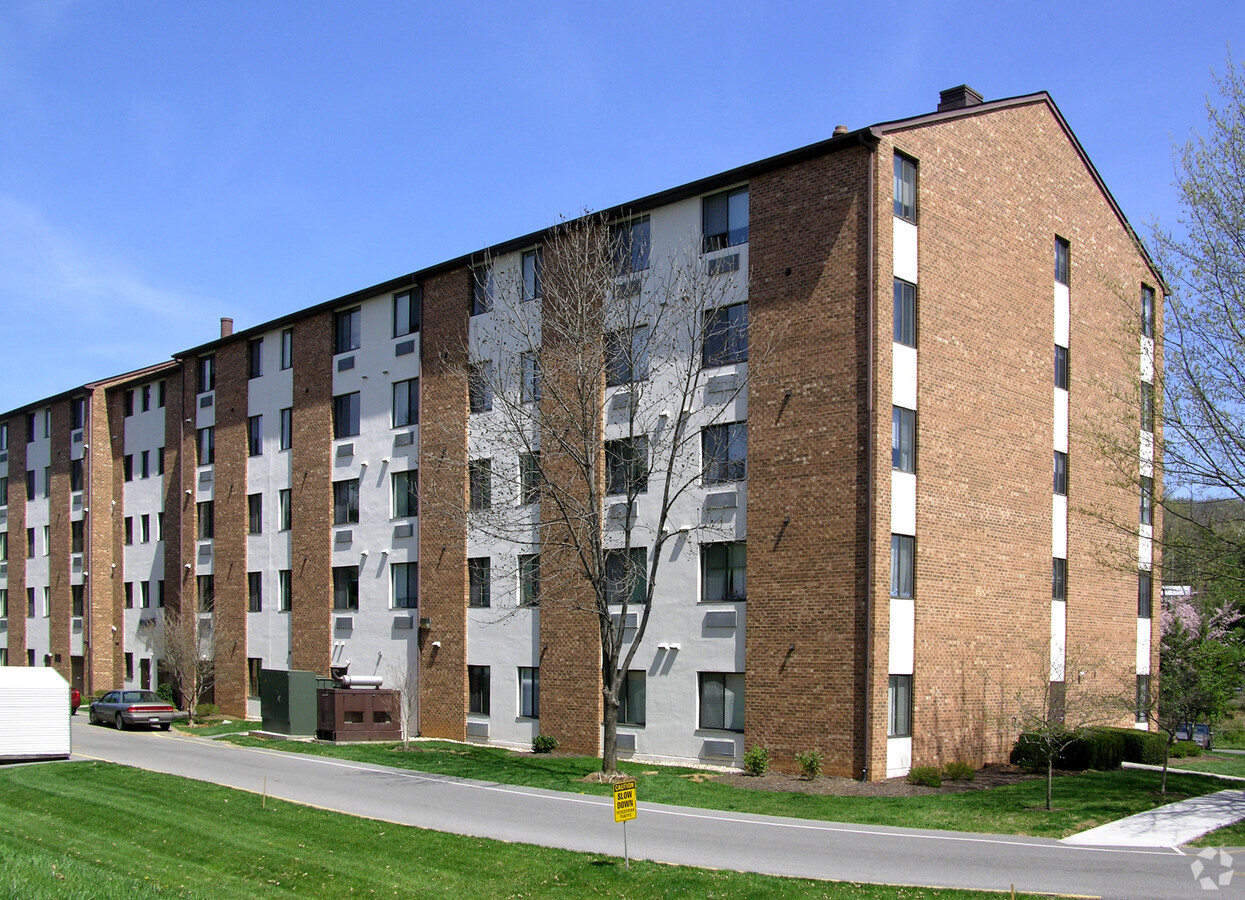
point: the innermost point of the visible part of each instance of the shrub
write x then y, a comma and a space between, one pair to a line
959, 771
1147, 747
1106, 748
930, 776
756, 761
809, 764
165, 692
544, 743
1029, 752
205, 710
1182, 749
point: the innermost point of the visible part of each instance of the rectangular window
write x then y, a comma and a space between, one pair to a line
1143, 698
725, 337
530, 363
255, 435
207, 526
905, 188
346, 415
287, 428
626, 354
405, 494
406, 403
722, 700
4, 490
159, 460
1147, 406
127, 467
481, 289
346, 502
529, 478
407, 311
47, 482
283, 510
480, 386
1147, 311
630, 244
723, 571
1061, 367
30, 543
345, 587
1061, 473
144, 396
4, 603
30, 427
129, 530
78, 598
529, 579
30, 606
206, 370
76, 477
480, 481
529, 692
478, 690
255, 357
287, 348
77, 418
144, 464
903, 439
480, 581
127, 403
285, 578
626, 576
347, 330
4, 436
903, 565
206, 585
725, 219
899, 715
255, 513
405, 585
144, 595
4, 546
30, 484
626, 466
631, 698
253, 667
531, 274
905, 313
1063, 251
159, 592
255, 591
77, 535
1145, 595
206, 446
1147, 500
1058, 579
725, 452
159, 526
144, 528
160, 394
129, 667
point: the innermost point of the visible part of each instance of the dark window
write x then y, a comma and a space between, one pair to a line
725, 450
283, 510
127, 403
159, 460
903, 439
1059, 579
346, 415
1147, 311
480, 581
207, 446
1147, 500
406, 403
255, 513
408, 309
287, 348
478, 689
1061, 367
207, 523
481, 289
253, 666
127, 467
626, 355
1061, 473
531, 377
531, 265
207, 593
347, 330
905, 313
723, 571
76, 477
1062, 264
30, 484
144, 399
255, 357
725, 335
631, 699
899, 712
480, 481
626, 576
287, 428
285, 578
405, 585
725, 219
78, 594
905, 188
255, 435
529, 478
529, 579
346, 502
77, 417
1143, 698
144, 467
903, 565
160, 394
529, 692
207, 373
1147, 406
630, 244
480, 386
30, 427
144, 528
722, 700
255, 591
405, 494
626, 465
345, 587
1145, 595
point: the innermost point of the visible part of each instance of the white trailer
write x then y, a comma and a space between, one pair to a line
34, 714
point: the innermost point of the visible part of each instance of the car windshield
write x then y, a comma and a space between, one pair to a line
139, 697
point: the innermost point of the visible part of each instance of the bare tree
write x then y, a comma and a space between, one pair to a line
403, 704
186, 648
607, 382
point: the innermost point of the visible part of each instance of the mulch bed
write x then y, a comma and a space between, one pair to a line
988, 777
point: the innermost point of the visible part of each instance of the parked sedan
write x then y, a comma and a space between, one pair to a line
130, 708
75, 700
1199, 734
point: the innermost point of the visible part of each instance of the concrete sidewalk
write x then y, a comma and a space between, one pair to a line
1170, 825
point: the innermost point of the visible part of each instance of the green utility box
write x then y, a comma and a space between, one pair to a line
287, 701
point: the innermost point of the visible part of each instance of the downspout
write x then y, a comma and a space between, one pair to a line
88, 589
870, 141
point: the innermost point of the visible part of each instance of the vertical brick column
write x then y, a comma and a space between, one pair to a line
59, 534
229, 541
18, 438
179, 479
442, 523
311, 495
104, 530
805, 685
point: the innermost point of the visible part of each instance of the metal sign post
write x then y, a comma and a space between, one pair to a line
624, 809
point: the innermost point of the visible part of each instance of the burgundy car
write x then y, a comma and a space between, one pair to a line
75, 700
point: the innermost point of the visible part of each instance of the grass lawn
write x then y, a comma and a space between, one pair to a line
1225, 764
210, 728
1083, 800
1230, 836
107, 832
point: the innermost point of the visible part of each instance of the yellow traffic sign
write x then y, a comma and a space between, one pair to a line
624, 800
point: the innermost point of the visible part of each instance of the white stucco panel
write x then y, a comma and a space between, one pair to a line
1147, 359
1062, 314
1143, 646
1061, 420
902, 636
898, 756
903, 503
905, 250
903, 375
1059, 526
1058, 638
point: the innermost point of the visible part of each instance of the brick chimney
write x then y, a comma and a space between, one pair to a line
226, 326
957, 98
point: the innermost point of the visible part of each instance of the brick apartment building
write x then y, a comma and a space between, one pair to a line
953, 301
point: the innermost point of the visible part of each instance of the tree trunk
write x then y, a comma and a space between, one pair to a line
609, 755
1050, 780
1166, 756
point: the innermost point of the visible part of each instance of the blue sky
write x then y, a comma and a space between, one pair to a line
166, 164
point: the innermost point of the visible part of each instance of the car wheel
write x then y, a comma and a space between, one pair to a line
164, 726
91, 717
120, 723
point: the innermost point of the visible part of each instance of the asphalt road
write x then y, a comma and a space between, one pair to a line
672, 834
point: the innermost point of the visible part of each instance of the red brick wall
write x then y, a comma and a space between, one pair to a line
105, 532
179, 477
17, 540
229, 544
59, 533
